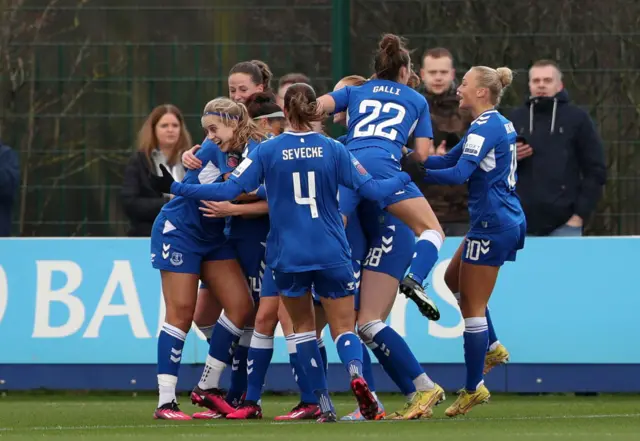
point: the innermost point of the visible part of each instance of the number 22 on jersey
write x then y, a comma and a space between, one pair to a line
366, 128
311, 199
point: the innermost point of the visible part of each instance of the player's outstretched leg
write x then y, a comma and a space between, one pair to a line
476, 340
261, 349
307, 408
496, 352
180, 295
170, 344
340, 313
418, 215
310, 362
258, 360
208, 393
367, 373
477, 281
428, 394
238, 384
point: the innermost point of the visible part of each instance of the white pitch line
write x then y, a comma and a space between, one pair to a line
289, 423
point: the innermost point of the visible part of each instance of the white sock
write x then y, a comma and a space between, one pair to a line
211, 374
375, 396
206, 330
423, 383
166, 388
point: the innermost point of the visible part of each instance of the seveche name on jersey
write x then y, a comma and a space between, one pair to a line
302, 153
387, 89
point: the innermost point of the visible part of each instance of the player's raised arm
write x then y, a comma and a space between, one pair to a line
334, 102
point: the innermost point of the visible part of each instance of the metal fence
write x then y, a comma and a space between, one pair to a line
78, 77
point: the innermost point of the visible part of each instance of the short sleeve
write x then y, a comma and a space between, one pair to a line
341, 98
249, 174
350, 172
423, 127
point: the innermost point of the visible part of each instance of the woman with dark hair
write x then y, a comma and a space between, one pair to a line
383, 113
263, 109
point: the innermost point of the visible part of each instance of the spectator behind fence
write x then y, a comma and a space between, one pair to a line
438, 86
9, 183
161, 140
561, 167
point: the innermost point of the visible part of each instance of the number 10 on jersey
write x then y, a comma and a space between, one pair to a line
311, 199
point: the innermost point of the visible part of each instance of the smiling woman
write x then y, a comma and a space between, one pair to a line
161, 140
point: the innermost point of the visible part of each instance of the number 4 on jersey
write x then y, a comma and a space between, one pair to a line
311, 199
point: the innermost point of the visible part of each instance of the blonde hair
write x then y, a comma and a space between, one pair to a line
353, 80
148, 142
235, 114
496, 80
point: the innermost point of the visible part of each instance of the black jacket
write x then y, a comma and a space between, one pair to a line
141, 202
9, 183
567, 171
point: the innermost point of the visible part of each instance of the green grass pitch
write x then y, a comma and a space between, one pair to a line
506, 417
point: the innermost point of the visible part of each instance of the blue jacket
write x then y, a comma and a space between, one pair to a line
567, 171
9, 183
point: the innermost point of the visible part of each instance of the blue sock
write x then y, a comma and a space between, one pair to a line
323, 354
258, 361
349, 350
476, 340
311, 363
306, 393
404, 383
426, 255
492, 332
239, 369
170, 344
394, 348
224, 340
367, 371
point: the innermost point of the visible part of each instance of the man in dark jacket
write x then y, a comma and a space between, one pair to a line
561, 167
9, 182
438, 85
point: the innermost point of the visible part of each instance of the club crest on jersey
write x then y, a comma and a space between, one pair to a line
233, 160
359, 167
176, 259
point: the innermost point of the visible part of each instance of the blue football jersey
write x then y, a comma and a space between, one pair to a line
242, 227
302, 172
490, 143
384, 114
183, 213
